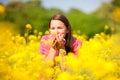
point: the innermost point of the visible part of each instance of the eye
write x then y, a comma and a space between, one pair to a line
60, 27
52, 28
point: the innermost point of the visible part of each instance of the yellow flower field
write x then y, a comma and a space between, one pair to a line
98, 59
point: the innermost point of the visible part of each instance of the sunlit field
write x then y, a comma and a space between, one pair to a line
98, 59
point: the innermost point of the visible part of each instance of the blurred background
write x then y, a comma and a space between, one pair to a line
95, 22
87, 17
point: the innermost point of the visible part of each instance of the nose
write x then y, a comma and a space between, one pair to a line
57, 31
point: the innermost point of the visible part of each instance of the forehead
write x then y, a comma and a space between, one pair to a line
56, 23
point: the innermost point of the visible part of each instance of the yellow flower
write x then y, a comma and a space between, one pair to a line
32, 37
25, 34
106, 27
102, 34
64, 76
50, 62
62, 51
40, 33
28, 26
49, 71
55, 34
58, 58
116, 14
109, 66
35, 31
112, 29
2, 9
47, 32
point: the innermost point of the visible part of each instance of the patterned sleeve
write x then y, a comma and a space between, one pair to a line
77, 44
44, 47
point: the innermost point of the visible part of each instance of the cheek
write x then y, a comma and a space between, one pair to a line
52, 31
63, 33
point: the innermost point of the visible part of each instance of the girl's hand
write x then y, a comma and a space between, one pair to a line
53, 40
57, 41
60, 42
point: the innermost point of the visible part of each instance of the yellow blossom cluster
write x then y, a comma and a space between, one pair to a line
98, 59
2, 9
116, 14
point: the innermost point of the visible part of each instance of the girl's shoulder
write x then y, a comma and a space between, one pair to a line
77, 41
45, 37
76, 45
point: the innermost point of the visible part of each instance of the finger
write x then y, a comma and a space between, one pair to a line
54, 42
58, 38
63, 42
52, 38
63, 39
61, 35
51, 35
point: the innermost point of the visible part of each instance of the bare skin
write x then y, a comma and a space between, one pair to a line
58, 31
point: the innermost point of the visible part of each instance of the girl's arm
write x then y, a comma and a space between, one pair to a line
51, 54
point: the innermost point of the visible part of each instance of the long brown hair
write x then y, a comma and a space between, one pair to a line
68, 37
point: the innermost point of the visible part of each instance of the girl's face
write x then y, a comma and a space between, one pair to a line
58, 27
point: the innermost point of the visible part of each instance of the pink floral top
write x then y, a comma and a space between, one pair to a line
45, 45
